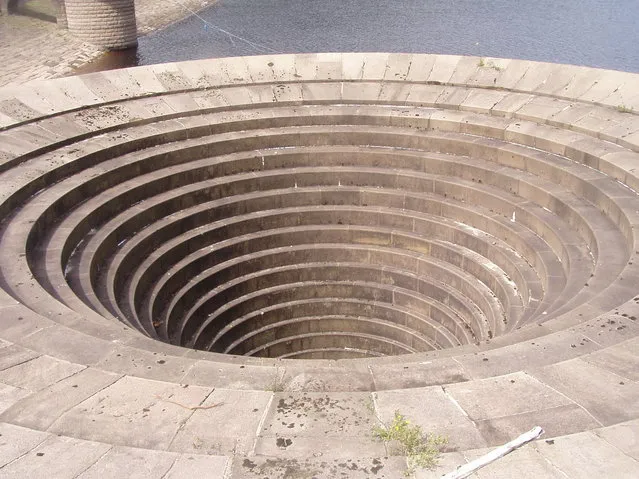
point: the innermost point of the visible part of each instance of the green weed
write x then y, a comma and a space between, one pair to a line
421, 450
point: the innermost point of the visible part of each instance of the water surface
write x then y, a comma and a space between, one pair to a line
584, 32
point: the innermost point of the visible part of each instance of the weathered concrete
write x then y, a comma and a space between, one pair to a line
235, 206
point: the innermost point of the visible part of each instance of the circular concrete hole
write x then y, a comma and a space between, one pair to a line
325, 231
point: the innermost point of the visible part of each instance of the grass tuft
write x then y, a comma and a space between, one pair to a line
482, 63
421, 450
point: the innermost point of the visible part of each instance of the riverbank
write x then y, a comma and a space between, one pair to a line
33, 48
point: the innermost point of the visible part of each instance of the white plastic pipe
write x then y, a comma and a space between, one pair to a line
467, 469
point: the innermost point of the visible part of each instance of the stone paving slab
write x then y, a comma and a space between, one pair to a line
25, 451
507, 395
201, 432
131, 463
425, 373
581, 455
150, 365
73, 345
39, 373
608, 397
555, 421
15, 441
310, 423
298, 377
28, 453
61, 457
606, 330
301, 447
524, 463
42, 409
189, 466
621, 359
13, 355
123, 412
10, 395
319, 414
318, 467
624, 436
543, 350
585, 455
234, 376
433, 410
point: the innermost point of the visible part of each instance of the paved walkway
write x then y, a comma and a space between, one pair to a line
35, 49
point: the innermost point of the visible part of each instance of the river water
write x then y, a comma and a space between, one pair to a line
596, 33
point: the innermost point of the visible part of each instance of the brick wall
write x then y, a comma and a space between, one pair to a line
108, 24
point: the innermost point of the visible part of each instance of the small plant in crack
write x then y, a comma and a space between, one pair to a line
278, 384
482, 63
421, 450
368, 402
624, 109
